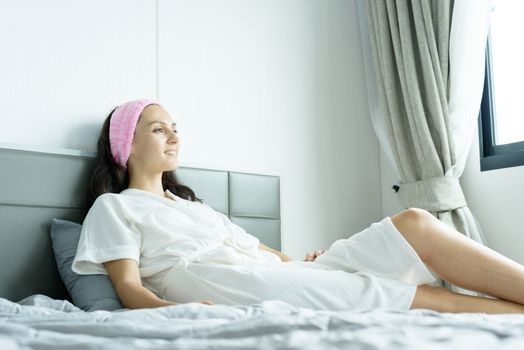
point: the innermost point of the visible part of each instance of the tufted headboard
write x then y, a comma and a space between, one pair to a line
36, 186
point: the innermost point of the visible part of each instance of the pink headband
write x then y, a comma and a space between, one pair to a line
122, 128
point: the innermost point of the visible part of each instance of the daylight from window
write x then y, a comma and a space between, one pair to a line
507, 53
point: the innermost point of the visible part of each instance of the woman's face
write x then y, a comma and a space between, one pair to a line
155, 144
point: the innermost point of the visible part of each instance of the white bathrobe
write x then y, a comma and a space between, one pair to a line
186, 252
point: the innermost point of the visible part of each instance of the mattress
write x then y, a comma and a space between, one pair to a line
40, 322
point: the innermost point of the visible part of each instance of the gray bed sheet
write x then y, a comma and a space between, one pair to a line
39, 322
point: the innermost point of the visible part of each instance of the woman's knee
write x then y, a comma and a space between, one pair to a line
418, 215
412, 224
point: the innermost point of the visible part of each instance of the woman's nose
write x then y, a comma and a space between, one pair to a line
173, 137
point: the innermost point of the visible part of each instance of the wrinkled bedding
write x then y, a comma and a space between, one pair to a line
39, 322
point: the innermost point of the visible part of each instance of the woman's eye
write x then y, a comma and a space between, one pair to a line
163, 131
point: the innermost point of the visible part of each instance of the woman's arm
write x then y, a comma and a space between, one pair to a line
138, 297
281, 255
125, 278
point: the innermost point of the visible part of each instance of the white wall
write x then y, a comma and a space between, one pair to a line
64, 64
262, 86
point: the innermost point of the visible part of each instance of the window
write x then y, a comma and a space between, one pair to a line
501, 121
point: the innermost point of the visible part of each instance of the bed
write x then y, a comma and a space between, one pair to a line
37, 312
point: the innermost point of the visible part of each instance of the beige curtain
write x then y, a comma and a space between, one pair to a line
422, 121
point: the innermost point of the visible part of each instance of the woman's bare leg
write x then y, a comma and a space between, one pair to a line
459, 259
442, 300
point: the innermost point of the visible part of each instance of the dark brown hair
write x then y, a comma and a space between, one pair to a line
109, 176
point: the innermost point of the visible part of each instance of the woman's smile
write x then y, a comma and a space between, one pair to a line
171, 153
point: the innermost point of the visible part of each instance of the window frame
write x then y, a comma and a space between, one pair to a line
493, 156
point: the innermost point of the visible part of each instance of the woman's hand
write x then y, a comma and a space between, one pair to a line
313, 255
207, 302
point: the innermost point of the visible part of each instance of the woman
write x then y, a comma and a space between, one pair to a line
161, 246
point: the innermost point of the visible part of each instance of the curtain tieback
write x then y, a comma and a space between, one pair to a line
434, 194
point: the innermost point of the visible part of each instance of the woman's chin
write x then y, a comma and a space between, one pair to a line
173, 165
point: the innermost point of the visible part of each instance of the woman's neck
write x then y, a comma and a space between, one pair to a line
151, 184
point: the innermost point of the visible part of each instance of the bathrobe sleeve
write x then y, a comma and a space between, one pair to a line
106, 235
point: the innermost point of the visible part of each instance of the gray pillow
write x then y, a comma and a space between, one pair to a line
89, 292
